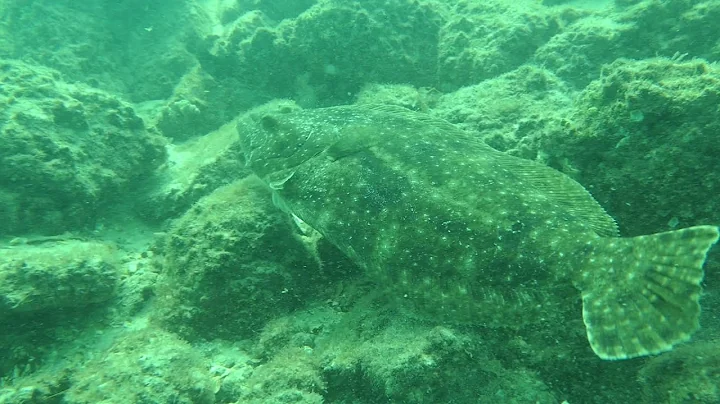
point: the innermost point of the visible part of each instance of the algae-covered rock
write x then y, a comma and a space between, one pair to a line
45, 390
232, 262
374, 355
291, 376
67, 151
419, 364
55, 276
416, 99
276, 9
642, 143
510, 110
577, 53
197, 167
148, 366
669, 27
133, 48
51, 290
327, 53
632, 29
484, 39
186, 115
200, 103
119, 365
688, 375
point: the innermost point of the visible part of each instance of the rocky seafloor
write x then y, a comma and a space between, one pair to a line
141, 263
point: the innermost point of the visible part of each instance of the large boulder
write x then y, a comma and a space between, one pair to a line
67, 151
641, 140
56, 275
232, 262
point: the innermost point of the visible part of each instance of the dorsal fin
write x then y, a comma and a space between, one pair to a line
362, 135
388, 108
421, 117
569, 194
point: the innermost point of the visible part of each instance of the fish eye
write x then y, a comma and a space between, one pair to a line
269, 123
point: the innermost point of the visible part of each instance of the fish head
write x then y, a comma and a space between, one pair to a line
276, 144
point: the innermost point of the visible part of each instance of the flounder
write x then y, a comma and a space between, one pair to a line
466, 233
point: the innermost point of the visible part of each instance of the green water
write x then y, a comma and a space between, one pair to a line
142, 262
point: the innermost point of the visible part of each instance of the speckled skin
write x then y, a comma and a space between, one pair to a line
462, 232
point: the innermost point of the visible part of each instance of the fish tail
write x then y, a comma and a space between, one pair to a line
641, 295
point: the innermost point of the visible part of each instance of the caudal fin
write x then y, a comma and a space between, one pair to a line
641, 295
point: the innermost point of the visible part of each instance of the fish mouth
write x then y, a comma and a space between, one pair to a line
281, 177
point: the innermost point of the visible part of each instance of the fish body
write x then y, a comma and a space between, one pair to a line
465, 233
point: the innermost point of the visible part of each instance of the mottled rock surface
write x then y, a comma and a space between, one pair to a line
232, 263
66, 151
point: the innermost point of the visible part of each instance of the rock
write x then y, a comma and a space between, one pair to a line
150, 366
232, 262
68, 152
639, 141
687, 375
55, 276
